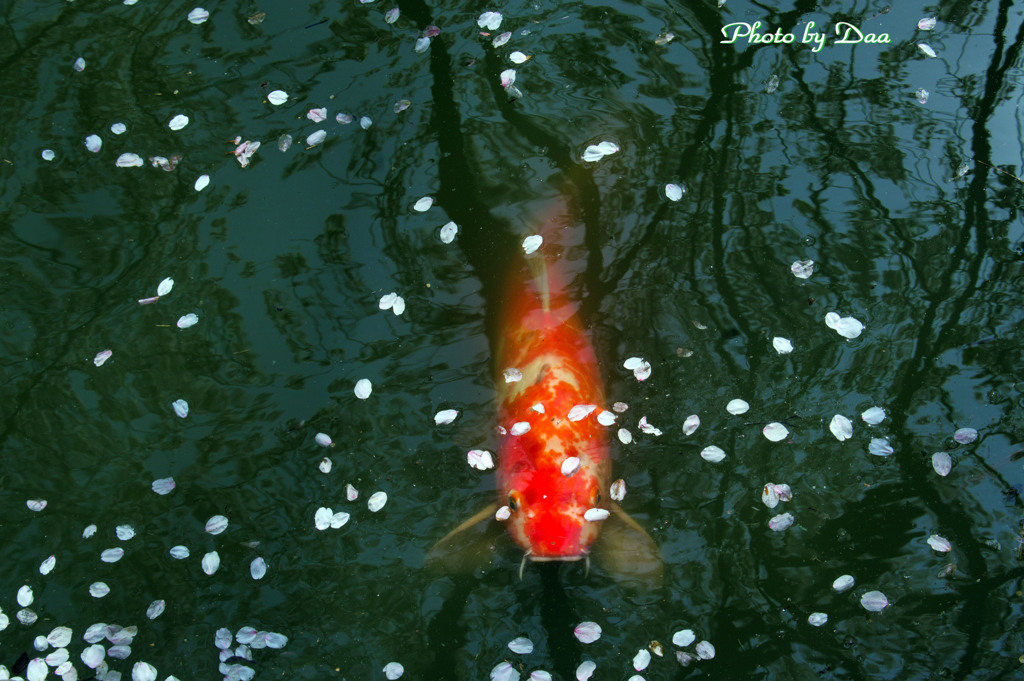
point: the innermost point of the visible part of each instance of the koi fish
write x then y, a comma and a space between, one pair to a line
553, 460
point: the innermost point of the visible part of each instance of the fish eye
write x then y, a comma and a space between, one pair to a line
596, 499
513, 500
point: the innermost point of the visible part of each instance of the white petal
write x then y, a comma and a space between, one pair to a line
351, 493
843, 583
93, 143
445, 416
112, 555
128, 160
802, 269
518, 57
570, 466
617, 490
390, 17
143, 671
532, 243
124, 532
926, 24
198, 16
165, 286
93, 655
504, 671
423, 204
210, 562
587, 632
625, 437
277, 97
324, 440
781, 522
178, 122
841, 427
322, 518
585, 670
480, 459
880, 446
705, 650
847, 327
674, 192
520, 428
36, 504
501, 39
387, 301
118, 128
942, 463
316, 138
89, 531
101, 357
489, 20
393, 670
25, 596
927, 50
737, 407
448, 232
965, 436
581, 411
363, 388
325, 465
641, 659
48, 154
163, 486
940, 544
769, 496
873, 416
258, 567
648, 428
179, 552
539, 408
521, 645
595, 514
339, 520
512, 375
59, 637
691, 424
188, 320
503, 513
775, 431
79, 65
377, 501
683, 637
365, 122
216, 524
874, 601
817, 619
783, 346
712, 454
155, 609
98, 589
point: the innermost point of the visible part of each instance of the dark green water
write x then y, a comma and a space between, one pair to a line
284, 262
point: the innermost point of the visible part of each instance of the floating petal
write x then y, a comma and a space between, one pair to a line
641, 660
581, 411
618, 490
98, 589
705, 650
448, 232
521, 646
769, 496
595, 152
143, 671
489, 20
210, 562
422, 205
847, 327
873, 416
25, 596
503, 513
712, 454
277, 97
93, 143
178, 122
79, 65
504, 672
284, 143
118, 128
783, 346
390, 17
585, 670
802, 269
377, 501
179, 552
843, 583
188, 320
165, 286
501, 39
673, 192
36, 504
606, 418
124, 532
648, 428
393, 670
874, 601
518, 57
322, 518
512, 375
93, 656
595, 514
737, 406
59, 637
880, 446
841, 427
155, 609
781, 522
587, 632
922, 95
112, 555
625, 437
351, 493
258, 567
817, 619
363, 388
926, 24
927, 50
570, 466
216, 524
48, 154
940, 544
775, 431
128, 160
683, 638
317, 115
89, 531
965, 436
198, 16
520, 428
480, 459
942, 463
445, 416
163, 486
365, 122
532, 243
316, 138
324, 440
101, 357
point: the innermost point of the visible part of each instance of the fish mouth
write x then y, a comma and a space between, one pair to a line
553, 559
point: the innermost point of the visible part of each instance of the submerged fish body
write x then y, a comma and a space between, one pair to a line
553, 468
544, 340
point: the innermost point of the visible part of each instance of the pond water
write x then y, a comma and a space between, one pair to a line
907, 202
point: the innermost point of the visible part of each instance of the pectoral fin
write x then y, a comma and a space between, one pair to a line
627, 552
468, 547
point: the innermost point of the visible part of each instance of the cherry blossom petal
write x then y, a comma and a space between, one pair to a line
93, 143
521, 646
501, 39
101, 357
216, 524
179, 552
585, 670
940, 544
448, 232
817, 619
880, 446
317, 115
712, 454
781, 522
422, 205
277, 97
198, 16
683, 638
775, 431
258, 567
874, 601
390, 17
873, 416
178, 122
705, 650
965, 436
489, 20
847, 327
393, 670
841, 427
737, 407
363, 388
570, 466
445, 416
112, 555
520, 428
210, 562
641, 660
625, 437
691, 424
98, 589
143, 671
315, 138
942, 463
606, 418
187, 321
377, 501
927, 23
25, 596
155, 609
587, 632
503, 513
595, 514
802, 269
532, 243
927, 50
581, 411
673, 192
480, 459
617, 491
843, 583
128, 160
324, 440
504, 671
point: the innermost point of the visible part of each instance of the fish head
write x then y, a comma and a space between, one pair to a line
546, 502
